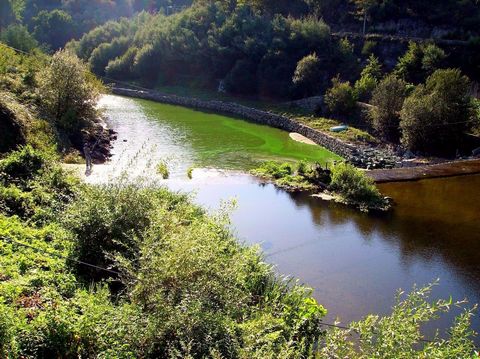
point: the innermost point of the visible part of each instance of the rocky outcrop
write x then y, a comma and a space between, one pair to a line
365, 157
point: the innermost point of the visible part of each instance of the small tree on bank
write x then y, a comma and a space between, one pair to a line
387, 101
69, 92
340, 98
436, 116
307, 77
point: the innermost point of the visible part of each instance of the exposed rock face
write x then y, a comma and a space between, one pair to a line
364, 157
100, 139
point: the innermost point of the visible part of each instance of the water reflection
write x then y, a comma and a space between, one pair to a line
355, 261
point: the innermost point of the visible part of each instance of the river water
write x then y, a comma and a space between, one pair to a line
354, 261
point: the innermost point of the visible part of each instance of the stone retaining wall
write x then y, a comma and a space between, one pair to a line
333, 144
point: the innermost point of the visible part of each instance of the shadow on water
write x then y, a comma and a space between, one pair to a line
434, 232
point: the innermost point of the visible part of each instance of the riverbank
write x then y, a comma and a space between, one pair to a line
448, 169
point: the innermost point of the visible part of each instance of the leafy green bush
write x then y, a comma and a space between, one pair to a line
387, 101
399, 335
355, 187
162, 170
370, 76
106, 52
121, 67
69, 93
435, 117
308, 75
22, 165
340, 98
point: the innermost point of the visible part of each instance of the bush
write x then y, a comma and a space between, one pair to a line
308, 75
146, 64
242, 78
340, 98
22, 165
387, 101
69, 93
106, 52
398, 335
419, 61
121, 67
17, 36
355, 187
435, 117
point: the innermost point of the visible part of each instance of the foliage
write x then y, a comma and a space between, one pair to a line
251, 52
369, 78
106, 52
387, 101
356, 188
307, 76
162, 170
17, 36
54, 28
302, 176
398, 335
419, 61
435, 117
68, 92
340, 98
121, 67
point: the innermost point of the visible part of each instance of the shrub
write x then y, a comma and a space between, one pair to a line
387, 101
308, 75
106, 52
162, 170
146, 64
17, 36
340, 98
22, 165
68, 92
355, 187
370, 76
121, 67
435, 117
419, 61
242, 78
433, 58
398, 335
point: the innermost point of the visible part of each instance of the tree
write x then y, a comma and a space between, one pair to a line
242, 78
371, 74
308, 75
436, 116
340, 98
7, 15
363, 9
69, 92
53, 28
17, 36
419, 61
433, 58
387, 101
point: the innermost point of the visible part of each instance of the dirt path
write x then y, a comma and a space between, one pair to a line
449, 169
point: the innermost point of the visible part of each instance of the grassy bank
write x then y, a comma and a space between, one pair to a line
124, 271
175, 281
343, 182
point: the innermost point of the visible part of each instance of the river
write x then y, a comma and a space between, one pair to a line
354, 261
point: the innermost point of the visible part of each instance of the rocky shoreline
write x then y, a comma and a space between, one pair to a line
99, 138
